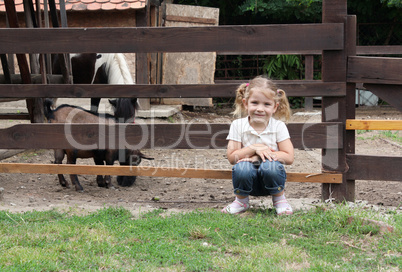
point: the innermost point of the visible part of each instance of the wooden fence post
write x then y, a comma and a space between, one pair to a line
334, 69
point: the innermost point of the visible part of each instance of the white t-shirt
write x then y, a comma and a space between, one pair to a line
242, 131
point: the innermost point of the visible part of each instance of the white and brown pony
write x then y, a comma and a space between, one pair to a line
97, 68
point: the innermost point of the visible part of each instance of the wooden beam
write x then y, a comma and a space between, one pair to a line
375, 70
379, 50
363, 167
292, 88
373, 124
14, 116
280, 37
293, 52
151, 172
144, 136
334, 69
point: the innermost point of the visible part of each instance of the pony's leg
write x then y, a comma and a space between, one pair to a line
109, 159
58, 159
99, 178
72, 159
95, 104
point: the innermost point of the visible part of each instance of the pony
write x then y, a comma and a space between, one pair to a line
96, 68
65, 114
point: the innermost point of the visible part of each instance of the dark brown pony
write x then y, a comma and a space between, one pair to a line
66, 114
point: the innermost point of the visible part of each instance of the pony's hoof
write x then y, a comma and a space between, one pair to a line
126, 181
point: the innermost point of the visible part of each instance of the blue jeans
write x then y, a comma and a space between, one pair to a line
266, 179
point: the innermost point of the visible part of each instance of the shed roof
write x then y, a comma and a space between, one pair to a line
85, 5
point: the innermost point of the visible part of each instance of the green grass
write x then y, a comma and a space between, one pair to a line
388, 134
392, 135
321, 239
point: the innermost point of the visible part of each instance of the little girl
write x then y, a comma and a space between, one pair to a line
259, 145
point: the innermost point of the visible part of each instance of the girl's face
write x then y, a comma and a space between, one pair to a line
260, 108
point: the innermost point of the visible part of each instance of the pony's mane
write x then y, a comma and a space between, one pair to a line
49, 113
116, 68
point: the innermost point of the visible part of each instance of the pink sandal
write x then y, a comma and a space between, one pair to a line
287, 210
243, 207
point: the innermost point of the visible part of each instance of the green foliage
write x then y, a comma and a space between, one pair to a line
392, 3
279, 11
283, 67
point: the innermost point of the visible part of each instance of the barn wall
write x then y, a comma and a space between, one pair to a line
189, 68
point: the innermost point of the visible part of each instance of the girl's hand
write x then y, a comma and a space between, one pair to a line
266, 153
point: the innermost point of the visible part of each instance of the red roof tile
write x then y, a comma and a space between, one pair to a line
82, 5
94, 6
123, 6
108, 6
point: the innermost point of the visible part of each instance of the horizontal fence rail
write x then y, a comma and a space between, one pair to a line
144, 136
360, 50
292, 88
374, 70
363, 167
352, 124
300, 37
152, 171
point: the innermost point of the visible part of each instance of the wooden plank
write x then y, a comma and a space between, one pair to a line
143, 136
334, 68
379, 50
142, 64
7, 153
6, 70
35, 79
278, 37
333, 11
293, 52
373, 124
292, 88
365, 167
151, 172
14, 116
375, 70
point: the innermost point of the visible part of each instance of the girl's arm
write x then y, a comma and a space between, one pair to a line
254, 152
235, 152
286, 153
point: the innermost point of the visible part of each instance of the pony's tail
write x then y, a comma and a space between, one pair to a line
48, 104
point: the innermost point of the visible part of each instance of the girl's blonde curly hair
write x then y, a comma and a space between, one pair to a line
269, 89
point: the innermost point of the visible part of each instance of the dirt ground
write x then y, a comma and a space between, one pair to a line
26, 192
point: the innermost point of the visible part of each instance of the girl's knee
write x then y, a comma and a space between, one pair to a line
272, 168
243, 168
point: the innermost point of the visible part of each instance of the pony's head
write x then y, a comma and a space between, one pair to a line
124, 109
131, 158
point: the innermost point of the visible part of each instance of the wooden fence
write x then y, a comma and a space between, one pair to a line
335, 37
